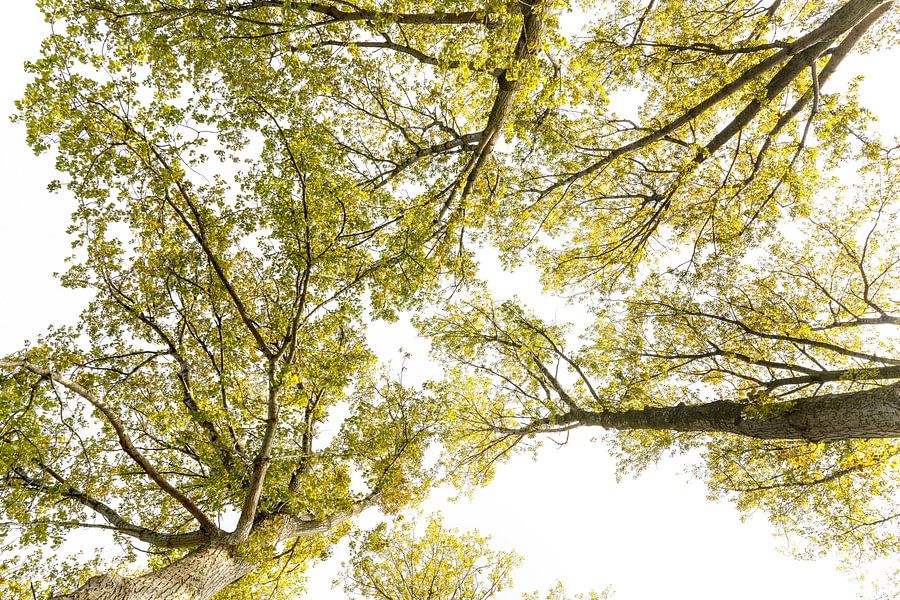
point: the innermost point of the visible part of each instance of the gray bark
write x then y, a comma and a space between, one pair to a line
200, 575
208, 569
866, 414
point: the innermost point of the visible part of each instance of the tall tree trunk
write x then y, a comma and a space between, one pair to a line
866, 414
198, 576
209, 569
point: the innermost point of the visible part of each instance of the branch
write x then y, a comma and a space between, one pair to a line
115, 520
526, 46
200, 236
198, 231
298, 527
244, 527
462, 141
793, 339
184, 373
335, 15
861, 321
124, 440
846, 17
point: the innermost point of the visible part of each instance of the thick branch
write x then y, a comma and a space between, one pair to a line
124, 439
260, 468
795, 339
843, 19
867, 414
787, 74
335, 14
526, 46
116, 521
297, 527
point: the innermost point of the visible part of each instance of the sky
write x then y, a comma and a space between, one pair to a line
656, 536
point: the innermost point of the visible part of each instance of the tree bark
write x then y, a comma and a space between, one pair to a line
209, 569
199, 575
866, 414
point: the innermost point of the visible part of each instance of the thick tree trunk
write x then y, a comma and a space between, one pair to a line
866, 414
209, 569
198, 576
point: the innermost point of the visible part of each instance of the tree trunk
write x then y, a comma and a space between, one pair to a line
198, 576
866, 414
209, 569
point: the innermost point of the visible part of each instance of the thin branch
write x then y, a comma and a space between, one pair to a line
124, 439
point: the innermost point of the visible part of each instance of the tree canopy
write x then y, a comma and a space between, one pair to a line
256, 181
397, 564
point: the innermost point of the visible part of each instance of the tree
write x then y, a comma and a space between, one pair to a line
393, 564
256, 180
558, 592
780, 371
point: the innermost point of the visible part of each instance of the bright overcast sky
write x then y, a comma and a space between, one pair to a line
654, 537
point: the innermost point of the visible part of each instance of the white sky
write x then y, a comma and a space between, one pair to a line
654, 537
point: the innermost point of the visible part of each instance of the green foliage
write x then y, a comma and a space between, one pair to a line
558, 592
285, 574
811, 311
392, 562
257, 181
838, 495
409, 561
